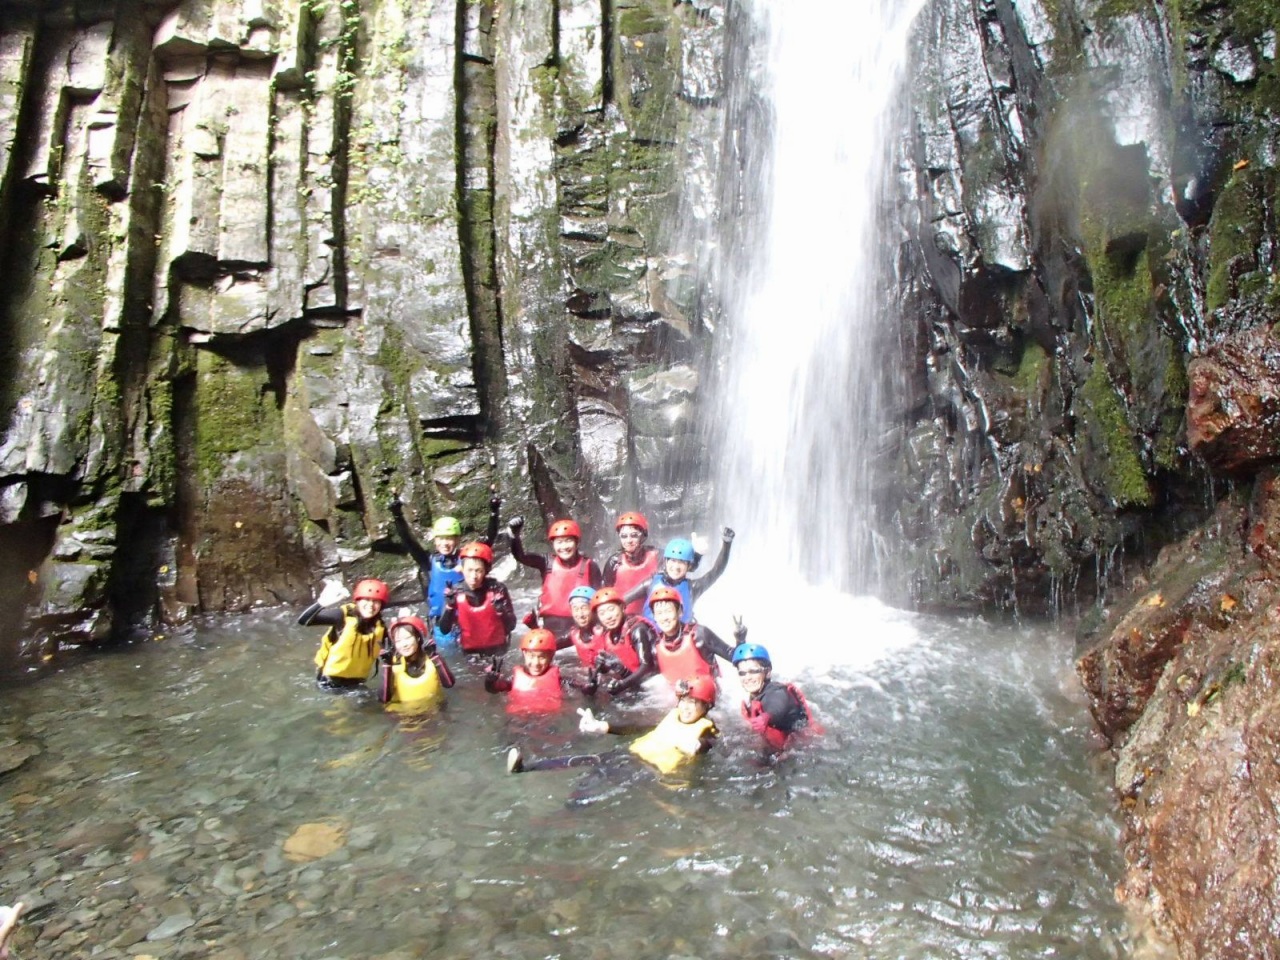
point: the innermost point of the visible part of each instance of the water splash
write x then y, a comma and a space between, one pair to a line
800, 407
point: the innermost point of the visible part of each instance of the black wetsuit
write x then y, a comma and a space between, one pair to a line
423, 557
542, 563
784, 711
697, 587
502, 605
643, 637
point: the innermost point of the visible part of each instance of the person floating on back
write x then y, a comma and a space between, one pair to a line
349, 650
776, 711
678, 559
563, 570
440, 567
413, 672
479, 610
681, 736
683, 649
535, 686
636, 563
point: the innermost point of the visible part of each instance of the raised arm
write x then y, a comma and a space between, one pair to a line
699, 586
421, 555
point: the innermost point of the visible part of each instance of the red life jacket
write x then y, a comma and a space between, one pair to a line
530, 694
623, 647
481, 627
684, 661
559, 582
588, 650
628, 576
774, 737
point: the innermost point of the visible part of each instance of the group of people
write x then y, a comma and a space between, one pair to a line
629, 622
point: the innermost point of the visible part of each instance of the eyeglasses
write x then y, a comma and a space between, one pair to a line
752, 672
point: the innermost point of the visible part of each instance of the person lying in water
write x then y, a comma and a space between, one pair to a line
350, 648
681, 736
413, 672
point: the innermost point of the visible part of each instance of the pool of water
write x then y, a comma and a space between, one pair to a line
956, 808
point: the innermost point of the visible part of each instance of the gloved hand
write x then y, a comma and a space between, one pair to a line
333, 592
495, 501
739, 631
395, 504
613, 686
590, 723
450, 597
759, 722
515, 525
727, 535
609, 663
699, 543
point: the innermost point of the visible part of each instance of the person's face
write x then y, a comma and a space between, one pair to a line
446, 545
406, 641
610, 615
675, 569
566, 548
753, 674
631, 538
580, 610
666, 614
537, 662
473, 572
690, 709
368, 609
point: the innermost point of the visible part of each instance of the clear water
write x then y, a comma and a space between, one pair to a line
956, 808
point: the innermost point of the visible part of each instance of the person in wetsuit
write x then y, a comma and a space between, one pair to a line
636, 563
678, 559
624, 659
350, 648
682, 735
440, 567
776, 711
413, 672
479, 611
535, 686
682, 649
563, 570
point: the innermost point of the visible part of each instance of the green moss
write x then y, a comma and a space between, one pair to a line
1169, 431
1235, 231
1030, 368
233, 413
638, 22
1116, 457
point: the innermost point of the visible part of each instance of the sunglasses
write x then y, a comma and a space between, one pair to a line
752, 672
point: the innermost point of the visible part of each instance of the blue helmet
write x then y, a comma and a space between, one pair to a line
679, 549
582, 593
751, 651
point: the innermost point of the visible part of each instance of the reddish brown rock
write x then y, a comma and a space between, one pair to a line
1233, 405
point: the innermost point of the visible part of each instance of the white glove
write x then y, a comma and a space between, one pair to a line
333, 592
590, 723
699, 542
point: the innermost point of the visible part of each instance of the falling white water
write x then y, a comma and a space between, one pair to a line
801, 375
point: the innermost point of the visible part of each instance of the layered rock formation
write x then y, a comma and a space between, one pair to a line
272, 261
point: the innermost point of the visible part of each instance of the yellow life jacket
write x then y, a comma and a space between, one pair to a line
671, 743
415, 690
349, 654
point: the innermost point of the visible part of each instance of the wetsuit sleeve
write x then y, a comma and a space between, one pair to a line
443, 671
708, 739
699, 586
609, 575
535, 560
421, 555
642, 637
638, 592
496, 683
595, 578
324, 616
448, 618
502, 603
710, 644
783, 710
491, 531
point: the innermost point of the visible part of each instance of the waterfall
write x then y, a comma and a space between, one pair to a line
801, 367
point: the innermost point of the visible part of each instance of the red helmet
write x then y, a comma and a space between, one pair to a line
564, 528
477, 551
416, 624
371, 589
666, 593
632, 519
607, 595
539, 639
700, 688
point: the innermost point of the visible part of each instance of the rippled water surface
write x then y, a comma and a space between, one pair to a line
955, 808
